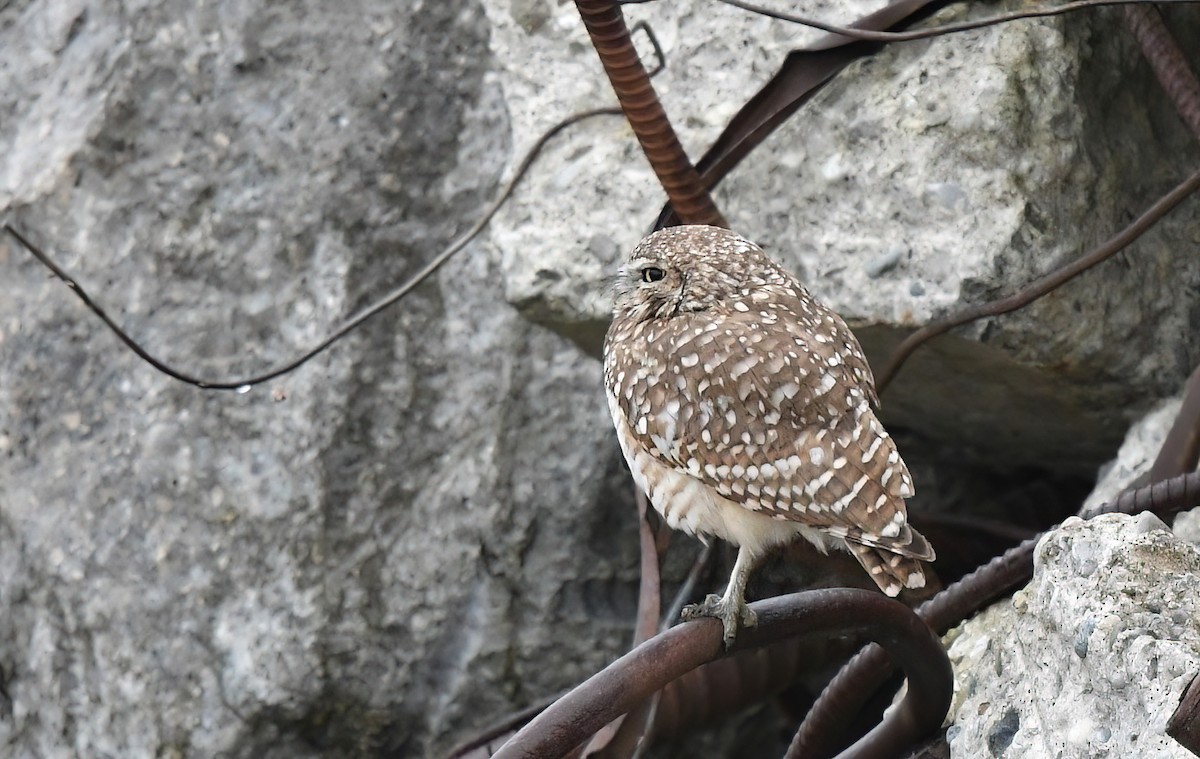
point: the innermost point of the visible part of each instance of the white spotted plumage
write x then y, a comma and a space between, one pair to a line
744, 408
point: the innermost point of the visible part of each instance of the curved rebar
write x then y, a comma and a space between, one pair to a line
630, 680
858, 680
610, 36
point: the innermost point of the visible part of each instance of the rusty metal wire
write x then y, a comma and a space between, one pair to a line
610, 36
351, 324
631, 679
1043, 285
1162, 52
868, 35
650, 590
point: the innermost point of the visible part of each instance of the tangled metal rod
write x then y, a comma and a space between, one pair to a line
627, 682
861, 677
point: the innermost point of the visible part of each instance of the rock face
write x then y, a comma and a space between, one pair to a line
936, 175
429, 525
1091, 658
415, 533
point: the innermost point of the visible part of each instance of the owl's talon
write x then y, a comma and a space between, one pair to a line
730, 614
707, 608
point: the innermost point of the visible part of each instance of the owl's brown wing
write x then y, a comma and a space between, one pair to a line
773, 409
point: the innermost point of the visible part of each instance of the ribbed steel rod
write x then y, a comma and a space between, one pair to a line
686, 192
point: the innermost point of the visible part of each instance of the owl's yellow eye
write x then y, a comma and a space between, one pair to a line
652, 274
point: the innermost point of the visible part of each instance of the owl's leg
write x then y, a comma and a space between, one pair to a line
730, 608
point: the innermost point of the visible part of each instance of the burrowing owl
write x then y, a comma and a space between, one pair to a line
744, 409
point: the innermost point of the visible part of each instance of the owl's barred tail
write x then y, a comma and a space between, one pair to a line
890, 571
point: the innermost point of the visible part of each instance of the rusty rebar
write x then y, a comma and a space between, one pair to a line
1163, 54
862, 676
1184, 725
1180, 451
610, 36
843, 698
631, 679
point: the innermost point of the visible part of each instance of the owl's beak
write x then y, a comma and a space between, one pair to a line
683, 279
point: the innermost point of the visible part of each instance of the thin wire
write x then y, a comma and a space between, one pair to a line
355, 321
1043, 284
961, 26
669, 620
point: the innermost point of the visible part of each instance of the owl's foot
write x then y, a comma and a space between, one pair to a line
731, 612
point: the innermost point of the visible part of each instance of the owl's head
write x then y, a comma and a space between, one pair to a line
688, 268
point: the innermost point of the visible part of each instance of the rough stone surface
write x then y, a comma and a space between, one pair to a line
939, 174
1091, 658
558, 255
420, 531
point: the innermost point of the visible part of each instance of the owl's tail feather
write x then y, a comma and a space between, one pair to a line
890, 571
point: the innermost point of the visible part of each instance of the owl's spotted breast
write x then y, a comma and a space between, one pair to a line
690, 505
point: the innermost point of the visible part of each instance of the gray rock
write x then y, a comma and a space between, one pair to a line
886, 262
601, 182
993, 156
421, 530
1091, 658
